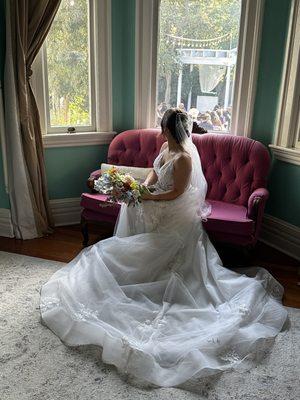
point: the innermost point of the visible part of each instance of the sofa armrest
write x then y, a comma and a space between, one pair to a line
90, 182
256, 203
95, 174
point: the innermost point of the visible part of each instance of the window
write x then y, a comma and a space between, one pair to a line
72, 73
286, 146
202, 56
197, 55
69, 98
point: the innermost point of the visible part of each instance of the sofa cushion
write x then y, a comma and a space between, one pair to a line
224, 218
229, 218
138, 173
98, 204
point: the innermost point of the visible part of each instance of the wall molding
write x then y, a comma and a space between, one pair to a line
6, 227
66, 211
281, 235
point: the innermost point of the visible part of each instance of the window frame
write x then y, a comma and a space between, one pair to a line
100, 86
91, 66
147, 12
286, 144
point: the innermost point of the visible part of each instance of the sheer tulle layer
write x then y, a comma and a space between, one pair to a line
156, 321
157, 299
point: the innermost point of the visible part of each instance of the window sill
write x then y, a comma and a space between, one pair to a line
77, 139
286, 154
220, 132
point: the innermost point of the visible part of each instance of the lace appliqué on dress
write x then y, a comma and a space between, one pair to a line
230, 355
271, 285
48, 303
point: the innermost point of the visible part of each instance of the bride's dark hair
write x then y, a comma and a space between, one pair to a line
177, 122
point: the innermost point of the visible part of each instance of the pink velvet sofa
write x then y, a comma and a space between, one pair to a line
236, 170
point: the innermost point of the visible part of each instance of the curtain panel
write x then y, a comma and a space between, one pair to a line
27, 25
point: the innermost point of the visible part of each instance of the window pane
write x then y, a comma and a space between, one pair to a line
68, 65
196, 59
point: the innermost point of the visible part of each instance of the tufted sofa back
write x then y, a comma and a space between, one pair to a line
234, 166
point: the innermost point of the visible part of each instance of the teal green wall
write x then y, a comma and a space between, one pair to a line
69, 167
284, 189
284, 180
123, 58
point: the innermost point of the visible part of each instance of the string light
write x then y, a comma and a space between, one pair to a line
189, 42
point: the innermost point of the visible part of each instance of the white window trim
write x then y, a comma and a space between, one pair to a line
286, 144
147, 12
77, 139
247, 67
101, 82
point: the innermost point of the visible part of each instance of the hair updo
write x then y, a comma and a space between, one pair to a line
178, 123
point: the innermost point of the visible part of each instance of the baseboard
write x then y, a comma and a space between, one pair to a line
66, 211
6, 227
281, 235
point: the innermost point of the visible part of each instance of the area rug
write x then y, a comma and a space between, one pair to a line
35, 365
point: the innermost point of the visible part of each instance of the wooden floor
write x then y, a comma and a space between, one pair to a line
65, 243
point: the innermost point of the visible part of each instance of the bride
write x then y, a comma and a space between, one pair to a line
155, 296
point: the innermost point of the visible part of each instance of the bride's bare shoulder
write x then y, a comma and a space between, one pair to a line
183, 160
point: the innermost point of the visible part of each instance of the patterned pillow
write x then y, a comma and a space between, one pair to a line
138, 173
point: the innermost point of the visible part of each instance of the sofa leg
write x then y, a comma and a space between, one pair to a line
85, 232
248, 255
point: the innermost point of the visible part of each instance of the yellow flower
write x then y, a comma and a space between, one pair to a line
112, 170
134, 185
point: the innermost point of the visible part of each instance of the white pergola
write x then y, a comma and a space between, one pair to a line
193, 57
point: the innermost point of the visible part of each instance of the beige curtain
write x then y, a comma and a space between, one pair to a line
27, 25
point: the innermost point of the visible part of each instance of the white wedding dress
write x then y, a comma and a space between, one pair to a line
156, 297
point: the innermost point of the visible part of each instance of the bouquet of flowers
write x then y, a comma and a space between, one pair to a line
120, 187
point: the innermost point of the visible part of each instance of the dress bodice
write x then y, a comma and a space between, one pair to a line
164, 172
